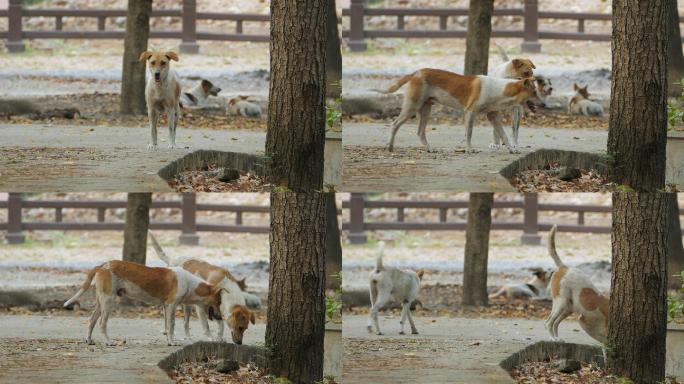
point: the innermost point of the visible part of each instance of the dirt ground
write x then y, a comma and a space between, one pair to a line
51, 349
447, 350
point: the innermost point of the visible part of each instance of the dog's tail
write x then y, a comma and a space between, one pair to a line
378, 259
84, 287
158, 249
552, 247
502, 52
395, 87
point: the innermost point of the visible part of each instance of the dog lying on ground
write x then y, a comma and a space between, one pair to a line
581, 105
535, 288
169, 287
391, 283
572, 291
233, 306
162, 94
518, 68
475, 94
196, 97
243, 107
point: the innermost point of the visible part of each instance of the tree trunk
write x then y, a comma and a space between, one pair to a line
675, 251
135, 229
675, 57
638, 106
477, 40
638, 311
333, 62
333, 246
295, 326
135, 43
296, 110
477, 249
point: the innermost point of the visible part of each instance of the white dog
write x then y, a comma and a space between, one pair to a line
169, 287
243, 107
572, 291
535, 288
580, 104
196, 98
387, 283
162, 93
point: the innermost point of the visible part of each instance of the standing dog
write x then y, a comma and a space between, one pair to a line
233, 306
475, 94
169, 287
581, 105
162, 94
198, 95
387, 283
518, 68
533, 289
572, 291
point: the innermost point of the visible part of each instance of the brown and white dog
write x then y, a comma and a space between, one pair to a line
169, 287
242, 106
535, 288
573, 292
580, 104
475, 94
197, 97
162, 94
517, 68
233, 306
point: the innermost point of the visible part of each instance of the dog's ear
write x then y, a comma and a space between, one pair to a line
171, 55
420, 274
145, 56
576, 87
232, 102
532, 64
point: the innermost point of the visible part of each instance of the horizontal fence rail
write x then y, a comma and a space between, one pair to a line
358, 13
358, 206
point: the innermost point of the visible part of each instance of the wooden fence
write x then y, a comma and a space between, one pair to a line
358, 225
358, 13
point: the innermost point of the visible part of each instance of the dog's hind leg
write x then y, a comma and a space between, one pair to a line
495, 119
397, 123
558, 308
93, 320
423, 117
414, 330
154, 119
517, 116
373, 295
172, 116
469, 122
202, 314
382, 299
187, 311
106, 307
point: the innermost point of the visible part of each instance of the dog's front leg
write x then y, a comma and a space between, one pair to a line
202, 314
187, 311
517, 116
495, 119
219, 334
170, 323
153, 115
469, 122
173, 120
424, 116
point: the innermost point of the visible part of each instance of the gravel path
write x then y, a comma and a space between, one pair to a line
45, 349
447, 350
368, 167
47, 158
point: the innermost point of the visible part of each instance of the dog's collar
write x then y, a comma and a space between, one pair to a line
533, 289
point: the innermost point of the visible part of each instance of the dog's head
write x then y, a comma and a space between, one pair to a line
158, 63
526, 93
582, 91
210, 295
523, 68
544, 87
238, 321
540, 278
209, 88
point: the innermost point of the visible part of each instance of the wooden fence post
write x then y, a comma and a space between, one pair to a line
531, 19
357, 41
14, 226
14, 30
531, 220
357, 235
189, 44
189, 220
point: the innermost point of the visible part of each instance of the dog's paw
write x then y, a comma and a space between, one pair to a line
472, 150
379, 333
513, 150
370, 329
172, 146
429, 149
90, 342
494, 146
389, 148
414, 332
151, 147
111, 343
402, 332
173, 343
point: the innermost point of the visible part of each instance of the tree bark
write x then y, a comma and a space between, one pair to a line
638, 106
295, 327
477, 40
638, 311
296, 110
133, 74
333, 62
333, 246
675, 56
477, 249
136, 227
675, 250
